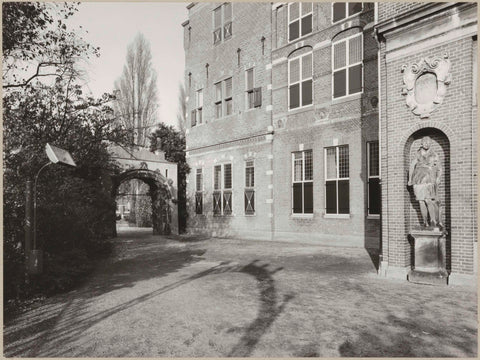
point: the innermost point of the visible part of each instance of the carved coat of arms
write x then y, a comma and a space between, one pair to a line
425, 84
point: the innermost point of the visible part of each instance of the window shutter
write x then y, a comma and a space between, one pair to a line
257, 94
307, 66
194, 118
294, 70
297, 198
339, 55
249, 79
355, 51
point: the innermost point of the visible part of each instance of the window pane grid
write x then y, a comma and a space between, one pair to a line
302, 189
217, 171
249, 174
301, 72
299, 20
348, 66
345, 10
373, 159
227, 177
199, 180
308, 166
337, 184
343, 168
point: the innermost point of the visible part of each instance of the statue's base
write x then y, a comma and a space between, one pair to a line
439, 277
430, 257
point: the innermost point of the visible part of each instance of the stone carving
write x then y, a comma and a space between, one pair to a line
425, 84
424, 175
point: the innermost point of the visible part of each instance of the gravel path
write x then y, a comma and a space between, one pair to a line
158, 297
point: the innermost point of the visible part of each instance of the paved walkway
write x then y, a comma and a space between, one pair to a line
157, 297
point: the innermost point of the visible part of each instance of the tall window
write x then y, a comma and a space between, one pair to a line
218, 100
337, 180
223, 98
302, 176
300, 81
222, 189
348, 66
222, 23
199, 192
197, 112
249, 188
253, 94
342, 11
299, 20
373, 170
228, 97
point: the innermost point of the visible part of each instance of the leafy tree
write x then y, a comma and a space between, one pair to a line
75, 208
137, 102
172, 142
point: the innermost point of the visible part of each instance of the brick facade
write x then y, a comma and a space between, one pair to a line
407, 35
271, 134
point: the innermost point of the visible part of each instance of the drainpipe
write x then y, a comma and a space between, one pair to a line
383, 263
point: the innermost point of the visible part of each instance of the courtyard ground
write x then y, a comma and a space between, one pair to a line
160, 297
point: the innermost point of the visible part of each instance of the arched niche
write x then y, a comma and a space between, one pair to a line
441, 145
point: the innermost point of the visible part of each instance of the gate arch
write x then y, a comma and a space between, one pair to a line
161, 192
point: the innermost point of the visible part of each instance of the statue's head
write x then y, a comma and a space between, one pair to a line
426, 142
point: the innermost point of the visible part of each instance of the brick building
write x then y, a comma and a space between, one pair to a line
436, 40
283, 131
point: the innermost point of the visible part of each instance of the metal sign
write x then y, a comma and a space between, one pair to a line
57, 155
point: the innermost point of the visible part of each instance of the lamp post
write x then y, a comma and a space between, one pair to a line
34, 256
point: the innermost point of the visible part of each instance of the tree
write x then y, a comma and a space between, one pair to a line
75, 205
37, 44
172, 142
182, 109
137, 102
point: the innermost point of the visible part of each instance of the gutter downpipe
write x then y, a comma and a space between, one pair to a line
382, 263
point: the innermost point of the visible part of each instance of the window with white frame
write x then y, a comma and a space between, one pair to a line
222, 189
347, 66
343, 10
249, 196
197, 117
199, 191
300, 81
253, 94
302, 179
300, 17
223, 98
222, 23
373, 170
337, 180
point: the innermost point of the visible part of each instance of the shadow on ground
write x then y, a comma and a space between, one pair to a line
52, 329
414, 337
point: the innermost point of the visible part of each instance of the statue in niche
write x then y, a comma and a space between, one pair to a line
425, 173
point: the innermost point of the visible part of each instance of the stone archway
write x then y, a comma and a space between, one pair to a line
163, 209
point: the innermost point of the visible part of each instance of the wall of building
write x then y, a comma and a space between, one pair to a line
452, 126
243, 135
348, 121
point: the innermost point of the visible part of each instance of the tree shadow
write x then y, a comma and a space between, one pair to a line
413, 337
52, 331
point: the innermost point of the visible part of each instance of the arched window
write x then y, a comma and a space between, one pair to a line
300, 81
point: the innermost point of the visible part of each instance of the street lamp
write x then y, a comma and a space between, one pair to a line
56, 155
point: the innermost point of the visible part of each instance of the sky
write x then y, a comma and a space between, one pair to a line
113, 25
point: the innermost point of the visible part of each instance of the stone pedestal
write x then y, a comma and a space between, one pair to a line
430, 257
